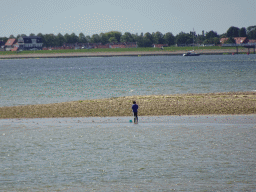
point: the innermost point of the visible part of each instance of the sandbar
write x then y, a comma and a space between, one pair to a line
230, 103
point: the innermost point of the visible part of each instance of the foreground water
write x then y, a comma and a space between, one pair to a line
39, 81
183, 153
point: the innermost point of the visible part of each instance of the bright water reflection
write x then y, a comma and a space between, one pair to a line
191, 153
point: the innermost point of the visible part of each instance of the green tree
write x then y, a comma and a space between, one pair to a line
148, 36
88, 38
82, 38
139, 40
224, 35
11, 37
251, 32
147, 40
158, 38
233, 32
60, 40
184, 38
115, 34
23, 35
127, 37
169, 38
230, 40
208, 41
42, 38
50, 40
95, 38
242, 32
118, 35
113, 40
74, 38
200, 39
104, 38
211, 35
32, 34
67, 38
216, 40
4, 39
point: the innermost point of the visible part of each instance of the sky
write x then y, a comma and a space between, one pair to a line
134, 16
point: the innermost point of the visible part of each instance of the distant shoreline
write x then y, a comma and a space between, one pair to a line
119, 54
232, 103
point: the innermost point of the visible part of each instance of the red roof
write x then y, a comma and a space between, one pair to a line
222, 40
14, 49
10, 42
102, 46
160, 45
118, 46
240, 40
252, 40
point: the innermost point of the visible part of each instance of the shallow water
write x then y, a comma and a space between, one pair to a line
183, 153
40, 81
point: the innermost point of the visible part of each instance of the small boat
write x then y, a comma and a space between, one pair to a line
191, 53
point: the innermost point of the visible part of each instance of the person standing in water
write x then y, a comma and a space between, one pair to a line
135, 111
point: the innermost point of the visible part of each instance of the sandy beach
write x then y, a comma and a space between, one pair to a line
128, 53
149, 105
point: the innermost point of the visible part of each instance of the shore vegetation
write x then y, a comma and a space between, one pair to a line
116, 50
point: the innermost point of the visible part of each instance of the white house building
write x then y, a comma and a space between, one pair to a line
32, 42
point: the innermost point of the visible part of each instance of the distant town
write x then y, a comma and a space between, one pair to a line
115, 39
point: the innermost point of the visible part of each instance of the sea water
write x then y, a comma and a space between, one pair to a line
182, 153
168, 153
54, 80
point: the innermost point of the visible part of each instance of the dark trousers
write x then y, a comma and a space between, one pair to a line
135, 116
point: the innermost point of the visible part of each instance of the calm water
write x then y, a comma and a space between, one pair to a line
182, 153
37, 81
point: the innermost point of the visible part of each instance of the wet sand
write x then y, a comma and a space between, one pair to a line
233, 103
113, 54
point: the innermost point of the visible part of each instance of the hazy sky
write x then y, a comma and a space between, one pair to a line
135, 16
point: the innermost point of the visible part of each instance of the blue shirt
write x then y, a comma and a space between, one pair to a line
135, 107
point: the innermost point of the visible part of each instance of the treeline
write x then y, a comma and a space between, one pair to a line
144, 40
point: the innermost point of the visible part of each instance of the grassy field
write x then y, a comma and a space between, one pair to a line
153, 105
147, 49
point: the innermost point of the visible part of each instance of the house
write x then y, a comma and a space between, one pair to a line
15, 47
117, 45
241, 40
223, 40
160, 45
100, 46
238, 40
131, 44
252, 41
88, 46
10, 44
31, 42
